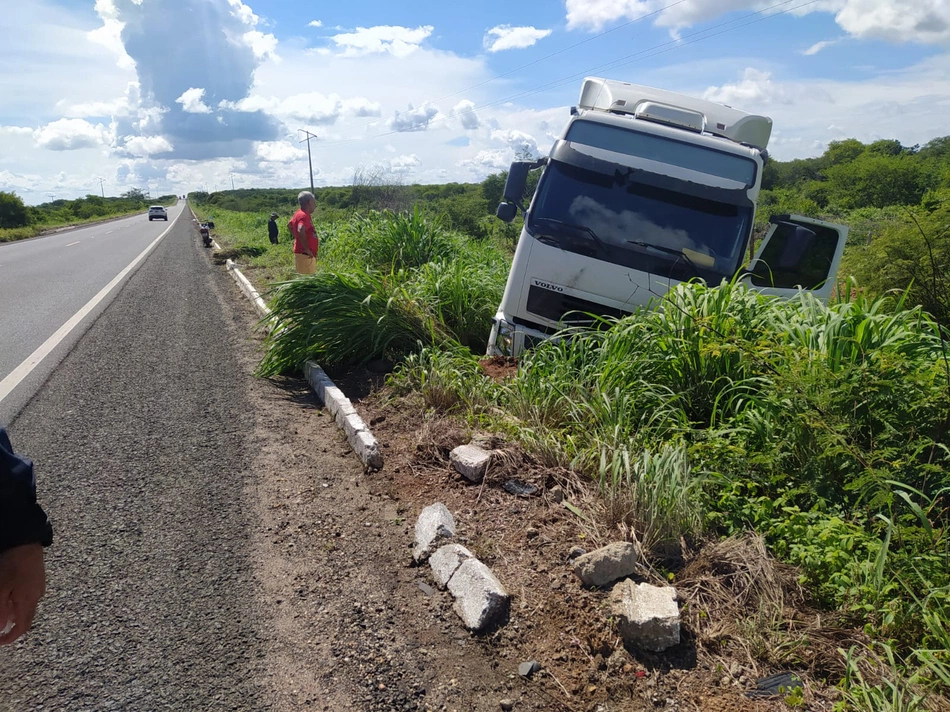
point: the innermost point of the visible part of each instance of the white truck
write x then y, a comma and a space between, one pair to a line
643, 190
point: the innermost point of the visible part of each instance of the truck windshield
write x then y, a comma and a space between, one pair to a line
639, 226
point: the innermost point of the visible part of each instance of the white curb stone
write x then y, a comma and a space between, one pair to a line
345, 415
609, 563
647, 616
435, 522
471, 462
446, 561
367, 449
480, 599
248, 289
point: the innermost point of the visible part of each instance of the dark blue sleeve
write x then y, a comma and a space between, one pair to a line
22, 520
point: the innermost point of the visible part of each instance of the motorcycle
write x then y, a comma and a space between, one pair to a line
205, 230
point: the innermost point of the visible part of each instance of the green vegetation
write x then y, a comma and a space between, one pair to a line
717, 411
19, 221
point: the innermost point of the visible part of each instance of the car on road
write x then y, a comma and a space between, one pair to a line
157, 212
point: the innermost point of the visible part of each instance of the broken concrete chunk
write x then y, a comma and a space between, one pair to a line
435, 524
647, 616
471, 462
446, 561
607, 564
480, 599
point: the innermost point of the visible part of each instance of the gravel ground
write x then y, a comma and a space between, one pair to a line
218, 546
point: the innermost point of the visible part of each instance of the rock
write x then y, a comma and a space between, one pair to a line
529, 668
575, 552
531, 532
607, 564
425, 588
471, 462
480, 599
446, 560
506, 705
647, 616
435, 524
519, 488
557, 494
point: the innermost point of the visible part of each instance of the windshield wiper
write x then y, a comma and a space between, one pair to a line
669, 251
570, 227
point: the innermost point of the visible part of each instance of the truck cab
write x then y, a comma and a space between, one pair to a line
645, 189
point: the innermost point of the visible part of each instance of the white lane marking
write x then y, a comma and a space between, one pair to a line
73, 243
34, 359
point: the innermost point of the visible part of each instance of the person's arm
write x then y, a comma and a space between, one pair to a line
24, 531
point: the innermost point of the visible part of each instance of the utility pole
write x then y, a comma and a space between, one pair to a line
101, 183
309, 159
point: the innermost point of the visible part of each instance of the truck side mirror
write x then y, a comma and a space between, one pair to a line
517, 181
506, 212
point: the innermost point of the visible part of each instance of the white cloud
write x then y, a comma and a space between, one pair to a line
489, 161
191, 101
403, 165
16, 130
315, 23
391, 39
518, 141
239, 10
465, 111
755, 87
71, 134
147, 145
924, 21
311, 107
413, 119
818, 46
505, 37
262, 45
279, 151
360, 106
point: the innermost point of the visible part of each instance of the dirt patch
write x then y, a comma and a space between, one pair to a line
499, 367
527, 540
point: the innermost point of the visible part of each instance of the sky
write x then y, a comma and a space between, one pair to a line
172, 96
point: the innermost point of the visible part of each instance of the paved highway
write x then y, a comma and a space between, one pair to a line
44, 285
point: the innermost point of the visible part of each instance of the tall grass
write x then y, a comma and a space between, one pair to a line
823, 428
389, 285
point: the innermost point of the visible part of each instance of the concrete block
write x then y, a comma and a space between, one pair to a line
471, 462
647, 616
343, 412
434, 525
353, 424
480, 599
367, 449
334, 399
446, 560
607, 564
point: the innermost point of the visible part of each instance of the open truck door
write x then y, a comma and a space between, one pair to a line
797, 253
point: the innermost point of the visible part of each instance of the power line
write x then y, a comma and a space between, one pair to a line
622, 61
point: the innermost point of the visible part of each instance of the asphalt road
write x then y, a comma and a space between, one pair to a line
46, 280
141, 442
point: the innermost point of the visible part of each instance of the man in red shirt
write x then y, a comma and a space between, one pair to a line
305, 237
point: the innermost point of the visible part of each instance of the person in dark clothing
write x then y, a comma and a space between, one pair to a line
272, 230
24, 531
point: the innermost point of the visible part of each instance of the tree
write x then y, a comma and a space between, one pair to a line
912, 253
845, 151
875, 180
13, 213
